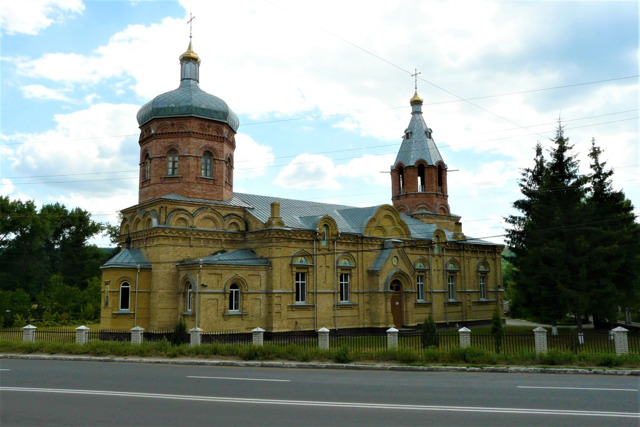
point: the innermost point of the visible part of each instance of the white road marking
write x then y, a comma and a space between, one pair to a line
239, 379
579, 388
346, 405
4, 369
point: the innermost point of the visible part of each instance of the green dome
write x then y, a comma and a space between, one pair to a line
188, 100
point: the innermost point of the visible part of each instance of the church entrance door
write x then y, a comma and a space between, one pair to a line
396, 303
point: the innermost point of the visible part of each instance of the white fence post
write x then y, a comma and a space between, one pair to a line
465, 337
392, 338
258, 336
29, 333
82, 335
323, 338
195, 336
540, 336
620, 340
136, 335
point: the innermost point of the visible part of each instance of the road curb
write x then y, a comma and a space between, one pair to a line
316, 365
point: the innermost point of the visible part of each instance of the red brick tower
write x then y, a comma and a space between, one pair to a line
187, 141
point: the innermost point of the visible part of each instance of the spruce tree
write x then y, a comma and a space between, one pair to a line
614, 238
549, 245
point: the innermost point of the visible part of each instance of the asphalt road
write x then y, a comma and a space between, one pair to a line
43, 392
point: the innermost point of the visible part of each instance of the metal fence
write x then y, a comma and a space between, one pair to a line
590, 342
357, 340
110, 335
226, 337
634, 342
302, 338
11, 334
360, 340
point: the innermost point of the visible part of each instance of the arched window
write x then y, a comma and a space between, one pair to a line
453, 269
147, 167
234, 298
189, 297
483, 271
401, 179
420, 286
440, 178
301, 287
207, 165
125, 296
421, 178
421, 267
229, 169
345, 281
436, 244
172, 163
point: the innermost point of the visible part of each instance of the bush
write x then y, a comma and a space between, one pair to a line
180, 334
556, 357
429, 333
342, 355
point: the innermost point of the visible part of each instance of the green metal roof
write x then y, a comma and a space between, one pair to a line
128, 258
188, 100
241, 257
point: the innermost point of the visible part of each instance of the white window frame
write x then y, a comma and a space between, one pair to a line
172, 162
345, 283
420, 286
125, 299
482, 283
451, 285
189, 297
206, 165
234, 298
147, 167
301, 287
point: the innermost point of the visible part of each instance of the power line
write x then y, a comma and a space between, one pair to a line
440, 145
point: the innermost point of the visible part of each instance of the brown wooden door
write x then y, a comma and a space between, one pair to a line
396, 309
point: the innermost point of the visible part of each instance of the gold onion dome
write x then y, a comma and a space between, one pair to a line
415, 99
190, 54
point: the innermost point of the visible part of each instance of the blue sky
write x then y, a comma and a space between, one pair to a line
322, 91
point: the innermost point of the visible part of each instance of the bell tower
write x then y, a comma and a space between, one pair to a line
419, 175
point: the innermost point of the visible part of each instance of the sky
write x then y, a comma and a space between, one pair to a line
322, 91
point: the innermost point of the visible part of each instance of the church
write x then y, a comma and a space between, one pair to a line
194, 249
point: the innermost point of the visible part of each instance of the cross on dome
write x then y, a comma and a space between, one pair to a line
415, 74
416, 99
190, 22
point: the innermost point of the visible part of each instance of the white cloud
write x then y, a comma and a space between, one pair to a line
251, 158
92, 150
372, 169
32, 16
6, 186
43, 92
308, 171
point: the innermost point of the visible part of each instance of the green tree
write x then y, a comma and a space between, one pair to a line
36, 245
59, 298
549, 245
429, 333
14, 304
23, 260
614, 237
